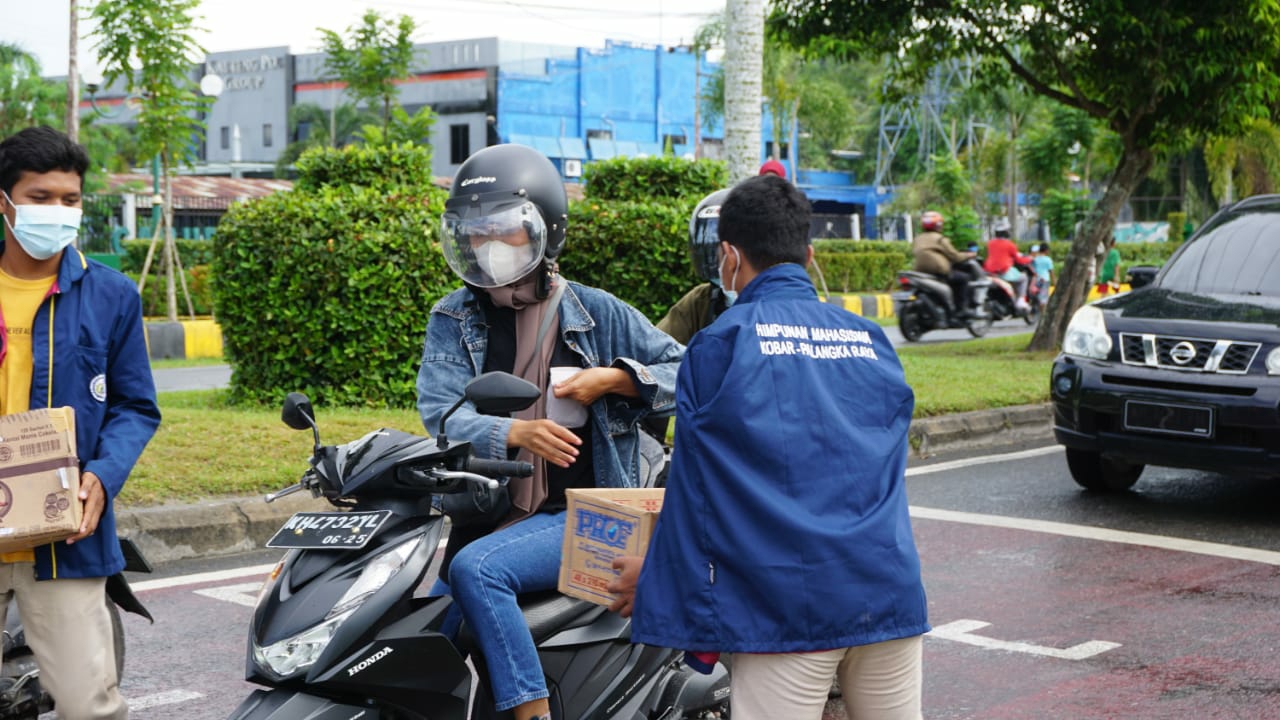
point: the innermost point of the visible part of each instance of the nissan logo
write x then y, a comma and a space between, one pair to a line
1183, 353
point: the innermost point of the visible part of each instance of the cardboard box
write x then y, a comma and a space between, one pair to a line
39, 478
600, 525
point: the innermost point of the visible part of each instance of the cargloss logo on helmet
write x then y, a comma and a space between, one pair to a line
478, 179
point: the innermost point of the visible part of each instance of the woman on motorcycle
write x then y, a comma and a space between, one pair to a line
504, 228
1003, 259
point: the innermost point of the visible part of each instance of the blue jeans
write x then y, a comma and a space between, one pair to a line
485, 578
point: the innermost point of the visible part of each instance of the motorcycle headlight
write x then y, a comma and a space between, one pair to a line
1087, 334
295, 654
1273, 362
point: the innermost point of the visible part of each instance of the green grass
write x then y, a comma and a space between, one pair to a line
976, 374
206, 448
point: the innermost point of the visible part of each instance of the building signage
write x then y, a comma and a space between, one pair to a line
246, 74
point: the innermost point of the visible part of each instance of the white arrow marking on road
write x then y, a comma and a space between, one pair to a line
960, 630
243, 594
171, 697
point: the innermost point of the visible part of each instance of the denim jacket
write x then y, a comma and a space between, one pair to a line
600, 328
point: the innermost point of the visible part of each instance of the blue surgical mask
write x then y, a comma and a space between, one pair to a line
730, 294
43, 230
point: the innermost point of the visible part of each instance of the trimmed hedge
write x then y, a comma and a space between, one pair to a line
326, 290
639, 251
191, 253
849, 272
374, 166
647, 179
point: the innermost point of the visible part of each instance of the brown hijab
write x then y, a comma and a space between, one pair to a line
532, 364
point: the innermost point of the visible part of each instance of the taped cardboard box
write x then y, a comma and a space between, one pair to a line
39, 478
600, 525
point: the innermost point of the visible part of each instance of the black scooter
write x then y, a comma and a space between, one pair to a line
924, 302
339, 631
21, 695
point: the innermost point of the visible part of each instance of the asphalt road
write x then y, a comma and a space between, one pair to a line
1047, 601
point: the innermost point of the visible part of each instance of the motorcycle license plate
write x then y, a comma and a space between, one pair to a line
328, 530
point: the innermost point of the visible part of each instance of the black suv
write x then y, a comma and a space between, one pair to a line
1184, 372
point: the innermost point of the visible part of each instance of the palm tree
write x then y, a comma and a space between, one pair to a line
743, 60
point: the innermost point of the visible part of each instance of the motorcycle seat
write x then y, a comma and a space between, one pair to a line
546, 613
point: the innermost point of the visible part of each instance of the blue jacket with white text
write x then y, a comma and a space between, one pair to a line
90, 353
785, 525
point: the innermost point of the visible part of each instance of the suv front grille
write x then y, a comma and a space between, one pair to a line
1189, 354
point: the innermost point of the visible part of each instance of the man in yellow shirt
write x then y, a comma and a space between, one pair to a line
70, 335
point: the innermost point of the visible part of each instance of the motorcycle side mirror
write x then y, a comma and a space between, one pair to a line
298, 414
493, 393
500, 392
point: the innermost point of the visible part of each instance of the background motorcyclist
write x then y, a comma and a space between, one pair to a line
1003, 259
934, 254
503, 228
706, 301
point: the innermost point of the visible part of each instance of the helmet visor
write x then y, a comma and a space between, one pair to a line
704, 248
493, 246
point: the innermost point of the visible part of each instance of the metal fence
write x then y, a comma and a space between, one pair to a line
111, 219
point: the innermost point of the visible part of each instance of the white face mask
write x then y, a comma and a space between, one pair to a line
43, 230
730, 293
504, 263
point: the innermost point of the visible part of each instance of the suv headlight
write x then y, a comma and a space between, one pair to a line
1273, 362
295, 654
1087, 334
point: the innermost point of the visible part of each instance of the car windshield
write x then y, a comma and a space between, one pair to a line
1239, 255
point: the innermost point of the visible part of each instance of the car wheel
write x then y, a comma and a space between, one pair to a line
911, 323
1093, 472
979, 326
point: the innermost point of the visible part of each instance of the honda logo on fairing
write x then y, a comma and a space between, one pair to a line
1183, 353
364, 664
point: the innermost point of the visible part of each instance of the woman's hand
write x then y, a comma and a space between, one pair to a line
546, 439
591, 384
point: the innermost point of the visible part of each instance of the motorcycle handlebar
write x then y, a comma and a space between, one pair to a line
499, 468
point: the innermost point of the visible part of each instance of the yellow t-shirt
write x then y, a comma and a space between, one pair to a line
19, 300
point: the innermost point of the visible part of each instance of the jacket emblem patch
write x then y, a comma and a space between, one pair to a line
98, 387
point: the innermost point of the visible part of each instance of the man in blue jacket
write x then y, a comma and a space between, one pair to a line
784, 537
70, 335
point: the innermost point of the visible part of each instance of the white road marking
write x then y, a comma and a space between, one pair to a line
197, 578
170, 697
982, 460
146, 702
960, 631
243, 594
1086, 532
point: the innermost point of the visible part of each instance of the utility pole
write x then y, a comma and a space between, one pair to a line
73, 80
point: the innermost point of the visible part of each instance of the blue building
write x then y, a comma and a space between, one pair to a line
576, 105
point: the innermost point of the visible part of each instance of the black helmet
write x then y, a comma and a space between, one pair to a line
704, 236
507, 198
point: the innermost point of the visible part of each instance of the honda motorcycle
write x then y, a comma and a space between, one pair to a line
21, 695
924, 302
340, 630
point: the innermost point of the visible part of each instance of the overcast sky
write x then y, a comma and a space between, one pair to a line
41, 26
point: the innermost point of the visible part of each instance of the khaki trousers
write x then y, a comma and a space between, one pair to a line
878, 682
69, 630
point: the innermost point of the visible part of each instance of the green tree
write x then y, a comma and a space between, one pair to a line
148, 46
313, 126
403, 128
375, 54
26, 99
1246, 164
1155, 73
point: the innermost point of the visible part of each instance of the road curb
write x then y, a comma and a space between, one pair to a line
166, 533
980, 428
